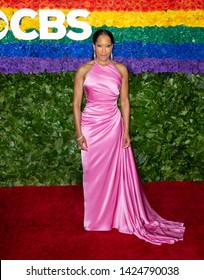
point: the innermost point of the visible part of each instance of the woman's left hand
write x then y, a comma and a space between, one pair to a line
126, 140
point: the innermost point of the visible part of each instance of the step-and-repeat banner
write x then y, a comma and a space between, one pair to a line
54, 36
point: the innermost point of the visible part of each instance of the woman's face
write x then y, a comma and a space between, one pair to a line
103, 48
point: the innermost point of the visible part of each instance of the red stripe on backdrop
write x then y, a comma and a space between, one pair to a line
102, 5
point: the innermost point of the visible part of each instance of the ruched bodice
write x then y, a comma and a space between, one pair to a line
98, 89
101, 94
113, 193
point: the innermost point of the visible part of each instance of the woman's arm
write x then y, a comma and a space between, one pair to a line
125, 105
77, 99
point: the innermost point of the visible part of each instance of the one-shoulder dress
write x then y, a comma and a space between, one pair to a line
113, 192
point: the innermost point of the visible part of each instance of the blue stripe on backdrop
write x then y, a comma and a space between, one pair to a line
125, 50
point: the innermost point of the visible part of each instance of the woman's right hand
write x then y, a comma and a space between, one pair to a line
82, 144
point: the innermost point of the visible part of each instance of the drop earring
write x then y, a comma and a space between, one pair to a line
94, 55
111, 56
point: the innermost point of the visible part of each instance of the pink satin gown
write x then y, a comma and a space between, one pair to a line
113, 193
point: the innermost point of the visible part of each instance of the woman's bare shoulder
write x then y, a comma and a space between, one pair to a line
85, 68
122, 69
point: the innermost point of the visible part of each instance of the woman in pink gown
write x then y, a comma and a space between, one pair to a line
113, 193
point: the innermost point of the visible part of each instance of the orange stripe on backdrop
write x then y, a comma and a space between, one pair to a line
102, 5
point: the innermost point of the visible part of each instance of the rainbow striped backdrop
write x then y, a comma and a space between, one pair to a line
150, 35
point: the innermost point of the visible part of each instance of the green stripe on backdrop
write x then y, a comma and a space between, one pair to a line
177, 34
37, 144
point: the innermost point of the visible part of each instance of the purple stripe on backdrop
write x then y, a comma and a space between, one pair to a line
38, 65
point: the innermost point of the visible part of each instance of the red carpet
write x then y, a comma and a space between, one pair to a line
47, 223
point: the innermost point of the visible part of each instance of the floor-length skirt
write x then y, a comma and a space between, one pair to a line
113, 192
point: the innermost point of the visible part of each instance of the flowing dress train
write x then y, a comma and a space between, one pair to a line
113, 192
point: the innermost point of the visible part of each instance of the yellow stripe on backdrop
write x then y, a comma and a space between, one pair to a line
124, 19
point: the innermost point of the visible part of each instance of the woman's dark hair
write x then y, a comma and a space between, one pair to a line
102, 32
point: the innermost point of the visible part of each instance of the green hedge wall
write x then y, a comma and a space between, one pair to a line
37, 143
